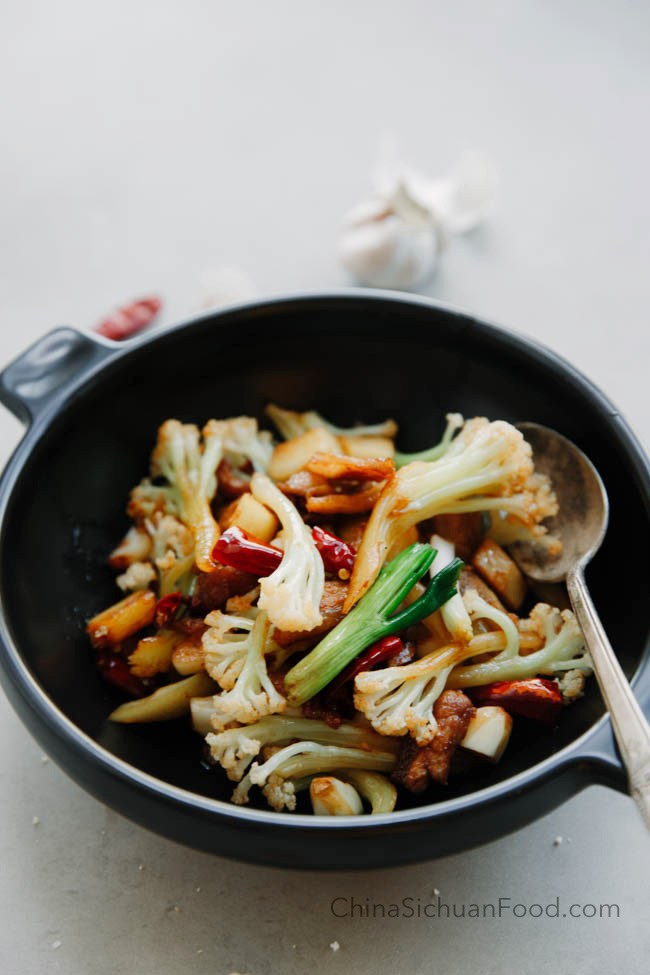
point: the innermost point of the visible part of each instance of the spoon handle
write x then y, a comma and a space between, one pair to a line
631, 729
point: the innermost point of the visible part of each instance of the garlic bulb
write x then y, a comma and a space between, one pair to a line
389, 243
394, 239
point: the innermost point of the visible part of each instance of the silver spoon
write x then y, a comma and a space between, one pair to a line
581, 524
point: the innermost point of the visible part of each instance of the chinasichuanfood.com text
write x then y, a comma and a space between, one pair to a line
502, 907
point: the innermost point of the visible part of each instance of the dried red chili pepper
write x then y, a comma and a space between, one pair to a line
535, 698
129, 319
166, 608
115, 670
378, 652
240, 550
336, 554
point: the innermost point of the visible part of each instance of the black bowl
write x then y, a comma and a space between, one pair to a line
92, 408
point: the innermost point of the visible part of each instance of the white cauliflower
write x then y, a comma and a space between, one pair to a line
308, 758
172, 552
455, 422
171, 540
242, 605
488, 466
292, 593
571, 685
292, 424
253, 695
243, 441
134, 547
137, 576
480, 609
563, 650
235, 748
400, 700
189, 466
280, 793
225, 644
147, 499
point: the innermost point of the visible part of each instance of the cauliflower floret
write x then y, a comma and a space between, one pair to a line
563, 650
171, 540
400, 700
571, 685
134, 547
241, 605
137, 576
506, 529
480, 609
253, 695
190, 468
147, 499
235, 748
292, 424
231, 647
488, 465
225, 644
309, 757
280, 793
172, 552
455, 422
292, 593
243, 441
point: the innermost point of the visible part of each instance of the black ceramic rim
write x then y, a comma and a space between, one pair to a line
109, 356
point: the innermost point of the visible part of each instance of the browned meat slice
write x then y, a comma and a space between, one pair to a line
331, 608
190, 627
469, 579
214, 588
453, 711
464, 530
232, 482
340, 503
411, 768
501, 573
415, 765
304, 484
335, 467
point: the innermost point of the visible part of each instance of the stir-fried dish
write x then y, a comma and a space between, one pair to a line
333, 615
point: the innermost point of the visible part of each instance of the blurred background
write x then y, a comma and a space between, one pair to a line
147, 146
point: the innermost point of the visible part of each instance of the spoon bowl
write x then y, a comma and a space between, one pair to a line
583, 512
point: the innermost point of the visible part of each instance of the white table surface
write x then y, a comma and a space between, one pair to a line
146, 143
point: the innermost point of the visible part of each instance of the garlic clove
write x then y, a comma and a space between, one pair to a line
332, 797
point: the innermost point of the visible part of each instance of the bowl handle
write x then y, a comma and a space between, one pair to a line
48, 368
601, 757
